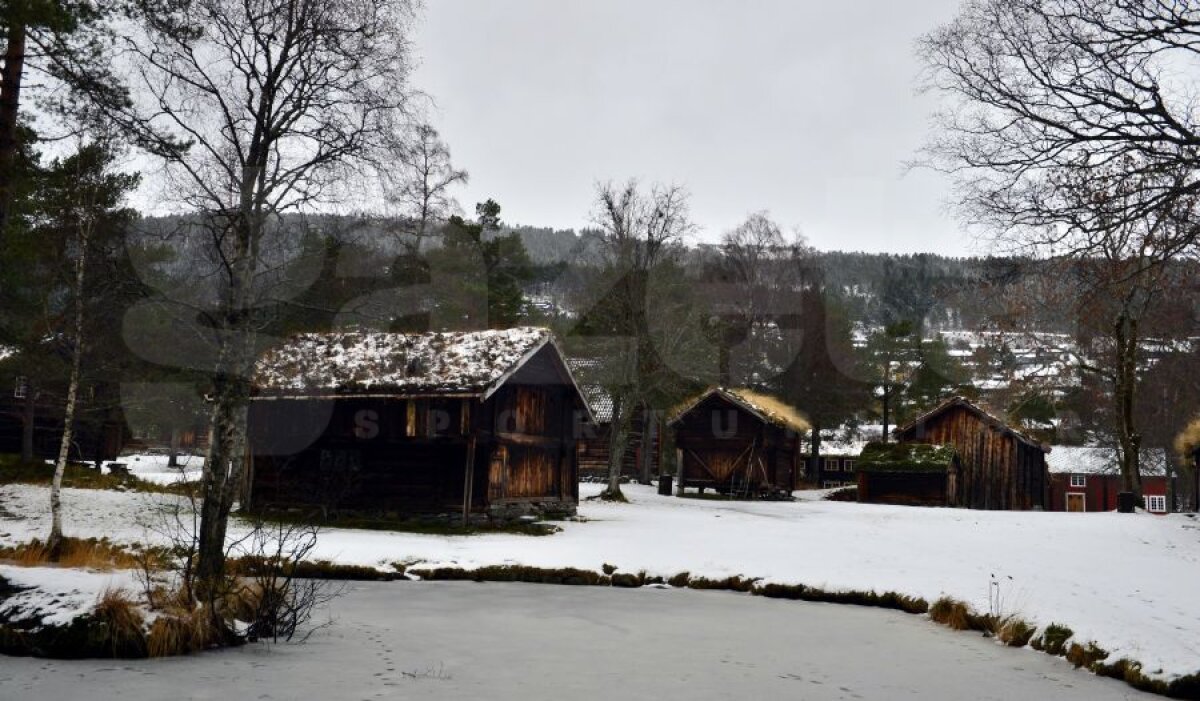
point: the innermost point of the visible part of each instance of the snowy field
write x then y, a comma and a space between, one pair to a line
1127, 582
154, 468
456, 640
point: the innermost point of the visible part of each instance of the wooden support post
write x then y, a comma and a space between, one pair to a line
468, 481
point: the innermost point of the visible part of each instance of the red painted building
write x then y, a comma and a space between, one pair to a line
1088, 478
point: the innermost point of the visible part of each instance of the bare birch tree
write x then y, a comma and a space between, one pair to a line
1074, 137
640, 230
280, 103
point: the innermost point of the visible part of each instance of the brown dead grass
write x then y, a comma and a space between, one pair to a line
90, 553
118, 611
952, 613
1188, 442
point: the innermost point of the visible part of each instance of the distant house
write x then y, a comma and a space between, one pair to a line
909, 474
39, 410
481, 423
839, 451
999, 467
1088, 478
738, 442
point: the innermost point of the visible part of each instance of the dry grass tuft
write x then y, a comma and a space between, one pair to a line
90, 553
1015, 632
1188, 442
952, 613
124, 623
180, 633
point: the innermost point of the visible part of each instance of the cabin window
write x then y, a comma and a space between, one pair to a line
1079, 481
830, 484
1156, 503
831, 465
848, 465
21, 389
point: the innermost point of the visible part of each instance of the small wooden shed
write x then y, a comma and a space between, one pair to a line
738, 442
999, 467
909, 474
463, 423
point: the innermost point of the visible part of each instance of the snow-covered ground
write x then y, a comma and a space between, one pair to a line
456, 640
55, 595
154, 468
1127, 582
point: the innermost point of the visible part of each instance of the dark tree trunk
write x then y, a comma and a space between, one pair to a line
618, 442
1124, 392
28, 421
173, 450
647, 452
815, 458
10, 105
887, 406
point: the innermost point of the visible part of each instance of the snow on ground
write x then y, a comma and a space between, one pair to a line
1127, 582
154, 468
58, 594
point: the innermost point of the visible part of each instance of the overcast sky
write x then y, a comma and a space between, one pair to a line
807, 109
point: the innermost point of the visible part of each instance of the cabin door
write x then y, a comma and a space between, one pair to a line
1075, 502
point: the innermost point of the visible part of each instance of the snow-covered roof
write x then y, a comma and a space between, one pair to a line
1100, 460
598, 398
368, 362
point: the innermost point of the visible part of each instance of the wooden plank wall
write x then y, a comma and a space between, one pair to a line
997, 470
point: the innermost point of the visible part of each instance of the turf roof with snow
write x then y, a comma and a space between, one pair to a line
367, 362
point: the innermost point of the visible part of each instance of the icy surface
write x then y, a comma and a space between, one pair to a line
1126, 581
530, 642
362, 361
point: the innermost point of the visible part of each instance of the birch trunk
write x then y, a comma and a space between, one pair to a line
55, 541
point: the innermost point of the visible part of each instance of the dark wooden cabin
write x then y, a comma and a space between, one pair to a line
1000, 468
39, 409
738, 442
643, 446
464, 423
908, 474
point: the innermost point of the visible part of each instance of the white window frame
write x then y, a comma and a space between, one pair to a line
832, 465
848, 465
829, 484
21, 388
1079, 481
1152, 500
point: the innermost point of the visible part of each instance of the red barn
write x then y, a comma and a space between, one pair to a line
1088, 478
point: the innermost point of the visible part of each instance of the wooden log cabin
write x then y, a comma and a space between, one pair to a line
478, 425
738, 442
908, 474
999, 467
36, 411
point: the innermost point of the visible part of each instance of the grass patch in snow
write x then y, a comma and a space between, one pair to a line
89, 553
251, 566
77, 476
1053, 640
404, 525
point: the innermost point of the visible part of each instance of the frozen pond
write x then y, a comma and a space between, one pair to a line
510, 641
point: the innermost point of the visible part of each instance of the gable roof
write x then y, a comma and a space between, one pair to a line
983, 414
764, 407
460, 363
1101, 460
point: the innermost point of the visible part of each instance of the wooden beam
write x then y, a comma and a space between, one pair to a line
468, 481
